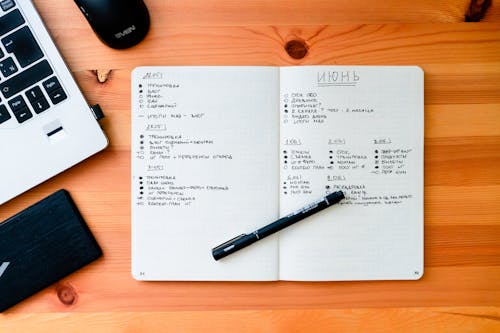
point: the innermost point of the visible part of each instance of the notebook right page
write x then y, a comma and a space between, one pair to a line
358, 129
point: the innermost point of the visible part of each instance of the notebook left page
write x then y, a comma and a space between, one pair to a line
204, 169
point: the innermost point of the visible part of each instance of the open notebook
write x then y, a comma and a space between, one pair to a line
220, 151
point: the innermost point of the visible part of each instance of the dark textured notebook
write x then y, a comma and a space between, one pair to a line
41, 245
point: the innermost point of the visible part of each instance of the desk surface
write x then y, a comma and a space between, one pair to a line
460, 290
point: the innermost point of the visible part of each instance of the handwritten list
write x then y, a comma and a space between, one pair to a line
358, 130
332, 141
218, 151
164, 141
204, 167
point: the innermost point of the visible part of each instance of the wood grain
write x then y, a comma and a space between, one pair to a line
363, 44
174, 13
460, 290
447, 319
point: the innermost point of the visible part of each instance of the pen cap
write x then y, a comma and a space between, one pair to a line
335, 197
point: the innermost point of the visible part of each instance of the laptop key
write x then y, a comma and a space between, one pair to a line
40, 105
10, 21
22, 115
8, 67
25, 79
34, 94
57, 96
4, 114
51, 84
7, 4
54, 90
17, 103
24, 46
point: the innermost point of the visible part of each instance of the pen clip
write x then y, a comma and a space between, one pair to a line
228, 242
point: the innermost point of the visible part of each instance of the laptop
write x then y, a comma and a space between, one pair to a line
46, 126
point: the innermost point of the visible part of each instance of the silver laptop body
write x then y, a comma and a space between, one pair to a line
46, 125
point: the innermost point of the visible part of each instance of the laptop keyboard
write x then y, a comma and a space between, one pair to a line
27, 84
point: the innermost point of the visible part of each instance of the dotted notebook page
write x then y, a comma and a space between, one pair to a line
360, 130
204, 170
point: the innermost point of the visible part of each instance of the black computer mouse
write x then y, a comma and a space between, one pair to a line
118, 23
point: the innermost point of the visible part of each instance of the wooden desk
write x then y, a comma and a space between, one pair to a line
460, 290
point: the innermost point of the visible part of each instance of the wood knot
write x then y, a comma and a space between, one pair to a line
66, 293
477, 10
297, 49
102, 75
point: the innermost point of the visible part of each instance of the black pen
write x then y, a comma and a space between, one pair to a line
244, 240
